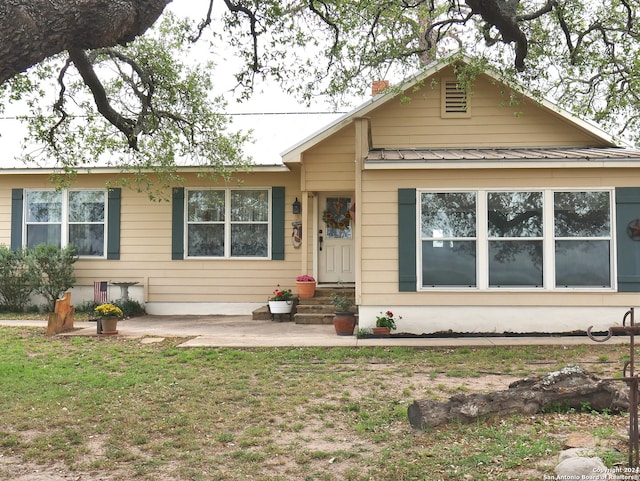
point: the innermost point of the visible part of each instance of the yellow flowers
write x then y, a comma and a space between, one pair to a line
108, 310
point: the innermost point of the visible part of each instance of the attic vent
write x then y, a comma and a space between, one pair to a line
454, 100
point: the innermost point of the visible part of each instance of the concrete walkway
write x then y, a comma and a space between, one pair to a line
242, 331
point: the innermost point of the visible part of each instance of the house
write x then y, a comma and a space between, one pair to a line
457, 210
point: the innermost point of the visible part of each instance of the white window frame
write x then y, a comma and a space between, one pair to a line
64, 218
228, 223
548, 240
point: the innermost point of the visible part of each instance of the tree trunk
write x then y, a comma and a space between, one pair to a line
571, 387
32, 30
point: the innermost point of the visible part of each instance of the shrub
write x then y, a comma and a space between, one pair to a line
51, 271
130, 307
15, 290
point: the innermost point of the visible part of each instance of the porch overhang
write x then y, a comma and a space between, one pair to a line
502, 158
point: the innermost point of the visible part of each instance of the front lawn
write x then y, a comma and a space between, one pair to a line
119, 409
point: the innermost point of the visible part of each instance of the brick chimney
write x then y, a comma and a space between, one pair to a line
378, 87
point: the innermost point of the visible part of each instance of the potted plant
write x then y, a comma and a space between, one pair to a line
108, 317
344, 320
306, 286
281, 301
385, 323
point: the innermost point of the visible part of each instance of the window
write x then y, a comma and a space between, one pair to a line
449, 239
516, 239
228, 223
75, 217
582, 233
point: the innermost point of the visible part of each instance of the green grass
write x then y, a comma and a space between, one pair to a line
156, 411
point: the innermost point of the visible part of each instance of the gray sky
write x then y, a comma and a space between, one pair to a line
278, 121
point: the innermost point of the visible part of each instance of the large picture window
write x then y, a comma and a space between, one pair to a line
61, 218
516, 239
228, 223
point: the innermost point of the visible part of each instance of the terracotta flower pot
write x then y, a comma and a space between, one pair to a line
109, 325
381, 331
305, 290
344, 323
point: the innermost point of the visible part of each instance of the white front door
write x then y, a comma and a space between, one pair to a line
336, 249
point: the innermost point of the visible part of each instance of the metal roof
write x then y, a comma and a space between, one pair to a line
507, 154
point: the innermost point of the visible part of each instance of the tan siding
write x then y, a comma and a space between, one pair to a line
379, 227
145, 250
330, 166
5, 214
493, 123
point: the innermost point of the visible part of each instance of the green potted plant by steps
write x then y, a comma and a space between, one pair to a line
385, 323
281, 302
344, 319
108, 317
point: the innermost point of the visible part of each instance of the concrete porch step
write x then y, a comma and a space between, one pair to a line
315, 310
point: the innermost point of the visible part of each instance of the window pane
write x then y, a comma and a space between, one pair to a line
206, 206
86, 206
582, 263
88, 239
43, 234
449, 263
515, 263
44, 206
337, 218
515, 214
206, 240
249, 240
249, 205
448, 214
582, 214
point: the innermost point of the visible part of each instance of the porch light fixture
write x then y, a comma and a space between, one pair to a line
296, 206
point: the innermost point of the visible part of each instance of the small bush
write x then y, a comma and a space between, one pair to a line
87, 306
15, 290
51, 271
130, 308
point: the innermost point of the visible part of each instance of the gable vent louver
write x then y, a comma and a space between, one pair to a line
455, 98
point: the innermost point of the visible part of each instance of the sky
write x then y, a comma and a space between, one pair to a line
278, 121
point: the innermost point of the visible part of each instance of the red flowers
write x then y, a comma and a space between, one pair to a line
281, 294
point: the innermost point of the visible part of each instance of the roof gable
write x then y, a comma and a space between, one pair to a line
383, 105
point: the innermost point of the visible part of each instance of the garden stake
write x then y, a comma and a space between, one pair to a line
630, 377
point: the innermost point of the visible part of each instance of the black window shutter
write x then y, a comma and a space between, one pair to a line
627, 213
177, 224
277, 223
407, 234
113, 224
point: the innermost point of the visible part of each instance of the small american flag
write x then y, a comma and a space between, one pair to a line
100, 291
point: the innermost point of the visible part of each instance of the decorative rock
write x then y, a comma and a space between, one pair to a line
579, 440
581, 468
152, 340
575, 453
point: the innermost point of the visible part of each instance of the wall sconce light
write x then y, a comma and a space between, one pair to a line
296, 207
